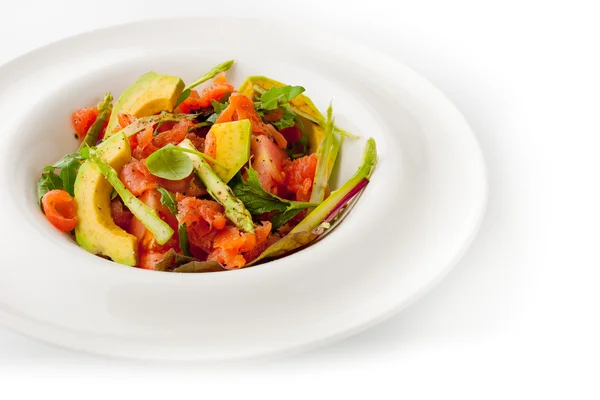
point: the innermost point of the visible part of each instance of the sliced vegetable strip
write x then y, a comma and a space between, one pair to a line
92, 134
159, 228
234, 208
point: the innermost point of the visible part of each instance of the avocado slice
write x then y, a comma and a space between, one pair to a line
96, 231
233, 147
309, 114
150, 94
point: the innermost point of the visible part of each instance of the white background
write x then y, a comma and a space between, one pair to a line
519, 315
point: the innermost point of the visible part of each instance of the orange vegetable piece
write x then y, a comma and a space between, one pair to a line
60, 209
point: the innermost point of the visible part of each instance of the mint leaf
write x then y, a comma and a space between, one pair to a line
258, 201
49, 181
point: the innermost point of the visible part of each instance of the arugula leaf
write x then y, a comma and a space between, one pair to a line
67, 159
184, 244
280, 219
68, 174
68, 167
218, 107
287, 120
168, 200
277, 96
48, 181
258, 201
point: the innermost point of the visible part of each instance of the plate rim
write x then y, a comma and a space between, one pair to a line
31, 327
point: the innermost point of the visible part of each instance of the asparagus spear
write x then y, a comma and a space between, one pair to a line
160, 229
326, 156
92, 134
209, 75
306, 231
234, 208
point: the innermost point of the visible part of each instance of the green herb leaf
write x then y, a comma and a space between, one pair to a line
258, 201
280, 219
218, 107
48, 181
68, 167
66, 160
173, 262
68, 173
167, 199
184, 244
113, 194
287, 120
169, 163
278, 96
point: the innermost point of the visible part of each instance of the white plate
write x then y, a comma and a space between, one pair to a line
413, 222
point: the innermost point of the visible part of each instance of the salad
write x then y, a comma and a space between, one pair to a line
173, 179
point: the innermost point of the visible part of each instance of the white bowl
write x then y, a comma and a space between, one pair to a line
414, 221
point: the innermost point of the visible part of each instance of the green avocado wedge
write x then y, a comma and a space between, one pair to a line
233, 147
95, 230
149, 95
